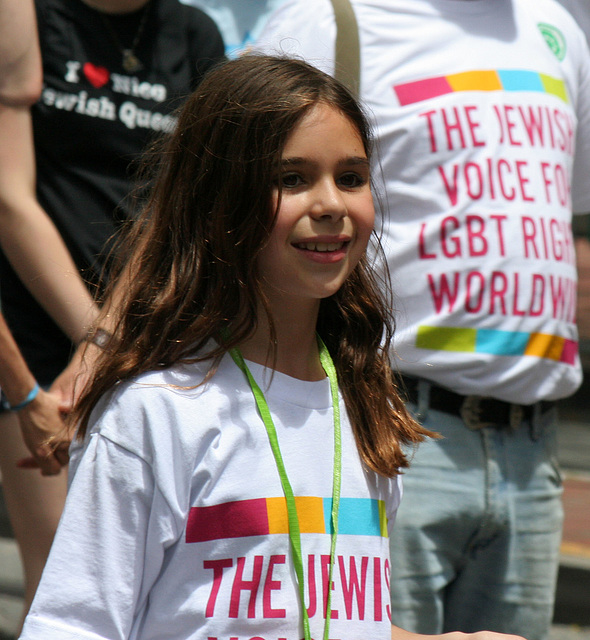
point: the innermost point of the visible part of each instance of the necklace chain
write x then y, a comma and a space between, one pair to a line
130, 62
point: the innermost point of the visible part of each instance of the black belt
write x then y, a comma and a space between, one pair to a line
476, 411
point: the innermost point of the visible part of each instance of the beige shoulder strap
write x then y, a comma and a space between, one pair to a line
348, 51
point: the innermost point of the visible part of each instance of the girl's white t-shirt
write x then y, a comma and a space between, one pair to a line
175, 523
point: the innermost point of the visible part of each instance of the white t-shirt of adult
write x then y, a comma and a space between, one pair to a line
580, 10
175, 523
479, 108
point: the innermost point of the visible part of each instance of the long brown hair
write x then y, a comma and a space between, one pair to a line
193, 265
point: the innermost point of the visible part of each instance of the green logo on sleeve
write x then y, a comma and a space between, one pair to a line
554, 38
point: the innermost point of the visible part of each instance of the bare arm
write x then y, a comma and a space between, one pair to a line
20, 60
20, 86
29, 238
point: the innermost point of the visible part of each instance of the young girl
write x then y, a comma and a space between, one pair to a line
239, 447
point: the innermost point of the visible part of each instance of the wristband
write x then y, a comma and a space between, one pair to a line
30, 397
99, 337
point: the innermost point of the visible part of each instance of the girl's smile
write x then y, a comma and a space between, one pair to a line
324, 250
326, 212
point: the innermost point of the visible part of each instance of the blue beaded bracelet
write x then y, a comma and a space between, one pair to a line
32, 395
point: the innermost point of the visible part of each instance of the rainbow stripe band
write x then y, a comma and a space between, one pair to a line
267, 516
497, 342
485, 80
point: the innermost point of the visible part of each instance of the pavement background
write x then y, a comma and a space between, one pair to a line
572, 607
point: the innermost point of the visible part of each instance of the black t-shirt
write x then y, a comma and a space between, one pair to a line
91, 124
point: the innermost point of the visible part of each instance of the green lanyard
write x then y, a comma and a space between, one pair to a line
294, 530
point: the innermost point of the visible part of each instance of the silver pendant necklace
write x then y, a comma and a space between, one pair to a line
131, 63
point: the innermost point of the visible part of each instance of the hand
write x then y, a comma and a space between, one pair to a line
479, 635
70, 383
400, 634
45, 434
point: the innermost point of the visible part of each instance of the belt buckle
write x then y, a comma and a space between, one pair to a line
471, 413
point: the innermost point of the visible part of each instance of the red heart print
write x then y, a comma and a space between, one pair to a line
97, 76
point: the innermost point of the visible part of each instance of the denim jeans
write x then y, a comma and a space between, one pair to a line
476, 541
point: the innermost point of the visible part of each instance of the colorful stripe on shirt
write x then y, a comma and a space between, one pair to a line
267, 516
497, 342
484, 80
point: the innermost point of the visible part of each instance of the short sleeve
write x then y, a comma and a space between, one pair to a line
108, 549
206, 47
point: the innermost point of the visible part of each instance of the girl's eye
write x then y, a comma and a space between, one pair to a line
291, 180
352, 180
